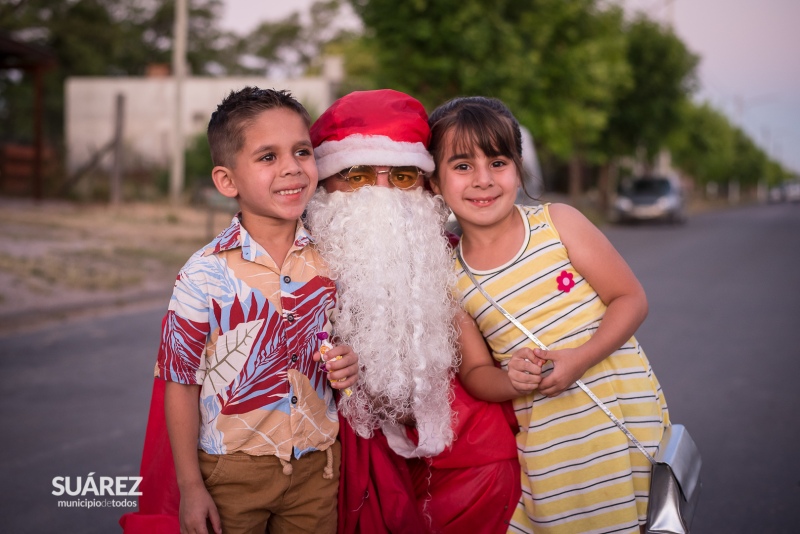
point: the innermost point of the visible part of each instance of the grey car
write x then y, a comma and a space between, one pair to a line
649, 198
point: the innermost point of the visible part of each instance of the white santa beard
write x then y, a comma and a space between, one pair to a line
394, 276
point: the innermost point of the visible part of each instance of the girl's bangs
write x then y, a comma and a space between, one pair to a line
489, 133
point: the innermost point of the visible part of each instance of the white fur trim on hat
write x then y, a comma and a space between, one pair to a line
357, 149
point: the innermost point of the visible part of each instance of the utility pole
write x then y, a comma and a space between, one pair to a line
178, 74
115, 187
671, 14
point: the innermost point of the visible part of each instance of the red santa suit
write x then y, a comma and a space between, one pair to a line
471, 487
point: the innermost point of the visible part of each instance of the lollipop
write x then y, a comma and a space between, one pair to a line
324, 347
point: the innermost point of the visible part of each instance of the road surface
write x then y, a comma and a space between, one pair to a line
723, 336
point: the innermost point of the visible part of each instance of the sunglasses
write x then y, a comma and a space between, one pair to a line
359, 176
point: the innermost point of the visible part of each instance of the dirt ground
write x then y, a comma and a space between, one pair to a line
59, 260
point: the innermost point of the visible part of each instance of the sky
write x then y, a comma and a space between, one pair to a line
749, 50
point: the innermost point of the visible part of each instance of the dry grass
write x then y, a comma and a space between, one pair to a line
55, 253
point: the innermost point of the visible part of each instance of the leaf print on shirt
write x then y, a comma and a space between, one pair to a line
229, 356
181, 343
262, 380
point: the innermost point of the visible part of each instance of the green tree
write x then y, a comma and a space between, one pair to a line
705, 149
750, 164
647, 112
99, 38
663, 73
556, 64
291, 47
712, 150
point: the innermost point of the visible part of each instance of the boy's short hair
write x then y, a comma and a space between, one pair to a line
480, 121
237, 111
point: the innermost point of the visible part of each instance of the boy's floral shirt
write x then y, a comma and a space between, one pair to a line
245, 331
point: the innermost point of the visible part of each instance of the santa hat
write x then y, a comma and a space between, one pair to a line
382, 127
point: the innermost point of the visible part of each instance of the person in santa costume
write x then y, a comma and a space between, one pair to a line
419, 454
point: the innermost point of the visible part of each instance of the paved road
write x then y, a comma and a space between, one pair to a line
723, 336
75, 401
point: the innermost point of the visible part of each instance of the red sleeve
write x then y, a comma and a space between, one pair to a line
160, 499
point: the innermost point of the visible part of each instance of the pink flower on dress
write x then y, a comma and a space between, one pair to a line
565, 281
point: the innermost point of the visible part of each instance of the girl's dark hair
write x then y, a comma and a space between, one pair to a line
476, 121
237, 111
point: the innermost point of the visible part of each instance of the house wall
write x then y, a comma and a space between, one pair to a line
149, 115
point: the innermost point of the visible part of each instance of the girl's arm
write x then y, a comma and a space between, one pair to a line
596, 259
480, 376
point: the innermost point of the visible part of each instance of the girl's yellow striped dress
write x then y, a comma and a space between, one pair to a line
580, 473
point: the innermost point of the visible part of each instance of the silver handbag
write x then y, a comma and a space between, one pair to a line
674, 483
675, 474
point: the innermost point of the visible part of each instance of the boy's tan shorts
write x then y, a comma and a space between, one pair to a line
253, 495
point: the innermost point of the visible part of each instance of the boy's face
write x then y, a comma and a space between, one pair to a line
275, 173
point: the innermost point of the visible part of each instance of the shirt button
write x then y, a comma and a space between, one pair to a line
287, 279
294, 357
294, 399
290, 318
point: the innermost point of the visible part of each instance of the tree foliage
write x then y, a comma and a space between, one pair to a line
292, 46
711, 149
589, 85
100, 38
646, 112
556, 64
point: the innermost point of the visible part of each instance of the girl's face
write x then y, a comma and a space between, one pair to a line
480, 190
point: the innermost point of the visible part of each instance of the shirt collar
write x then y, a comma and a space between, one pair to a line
236, 236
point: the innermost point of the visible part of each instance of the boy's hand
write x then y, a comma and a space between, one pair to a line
567, 368
196, 508
525, 371
342, 372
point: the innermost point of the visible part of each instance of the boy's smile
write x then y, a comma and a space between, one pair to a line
274, 174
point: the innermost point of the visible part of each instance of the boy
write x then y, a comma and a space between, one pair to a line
240, 333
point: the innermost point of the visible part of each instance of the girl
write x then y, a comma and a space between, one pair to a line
551, 269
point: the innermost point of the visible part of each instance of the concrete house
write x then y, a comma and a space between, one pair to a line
149, 102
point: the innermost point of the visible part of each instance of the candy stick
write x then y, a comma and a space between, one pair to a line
324, 347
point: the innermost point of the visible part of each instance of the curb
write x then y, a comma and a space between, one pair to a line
15, 322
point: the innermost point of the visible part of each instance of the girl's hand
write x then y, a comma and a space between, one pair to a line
525, 371
567, 368
342, 372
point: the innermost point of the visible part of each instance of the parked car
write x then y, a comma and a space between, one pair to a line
775, 194
791, 191
649, 198
785, 192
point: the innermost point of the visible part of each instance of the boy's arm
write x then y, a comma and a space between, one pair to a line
596, 259
478, 373
181, 409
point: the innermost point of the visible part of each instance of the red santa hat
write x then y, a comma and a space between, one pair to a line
382, 127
